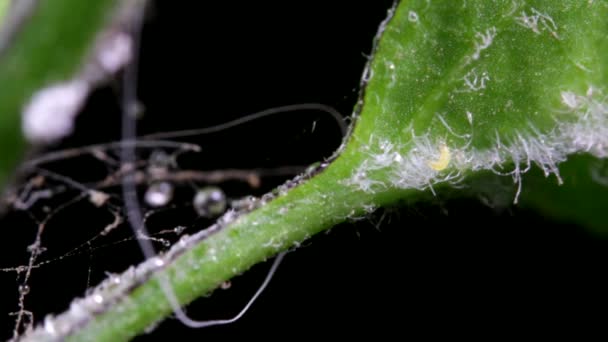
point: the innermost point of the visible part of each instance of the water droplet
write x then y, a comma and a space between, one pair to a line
210, 201
159, 194
226, 285
24, 289
412, 16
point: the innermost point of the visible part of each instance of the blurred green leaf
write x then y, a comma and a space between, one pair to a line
47, 47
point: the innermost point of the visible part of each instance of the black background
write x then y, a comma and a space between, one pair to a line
455, 267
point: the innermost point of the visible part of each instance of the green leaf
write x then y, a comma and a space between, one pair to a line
463, 86
455, 90
499, 86
48, 47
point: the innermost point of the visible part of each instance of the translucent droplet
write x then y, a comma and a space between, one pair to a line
159, 194
24, 289
210, 201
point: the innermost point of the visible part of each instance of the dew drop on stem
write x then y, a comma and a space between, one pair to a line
209, 201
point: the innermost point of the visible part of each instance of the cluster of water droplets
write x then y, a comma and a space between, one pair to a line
208, 201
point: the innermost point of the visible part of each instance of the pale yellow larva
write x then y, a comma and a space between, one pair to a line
443, 161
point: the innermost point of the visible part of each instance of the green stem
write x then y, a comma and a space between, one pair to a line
282, 223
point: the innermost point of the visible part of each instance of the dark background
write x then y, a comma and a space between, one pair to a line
443, 267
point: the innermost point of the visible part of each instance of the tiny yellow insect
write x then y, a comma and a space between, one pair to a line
443, 161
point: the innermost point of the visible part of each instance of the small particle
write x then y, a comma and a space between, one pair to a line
369, 208
49, 326
183, 241
115, 279
443, 161
24, 289
98, 198
38, 181
412, 17
34, 247
158, 262
470, 117
159, 194
115, 52
226, 285
179, 230
254, 181
98, 298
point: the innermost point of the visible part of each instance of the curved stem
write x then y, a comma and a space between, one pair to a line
229, 250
